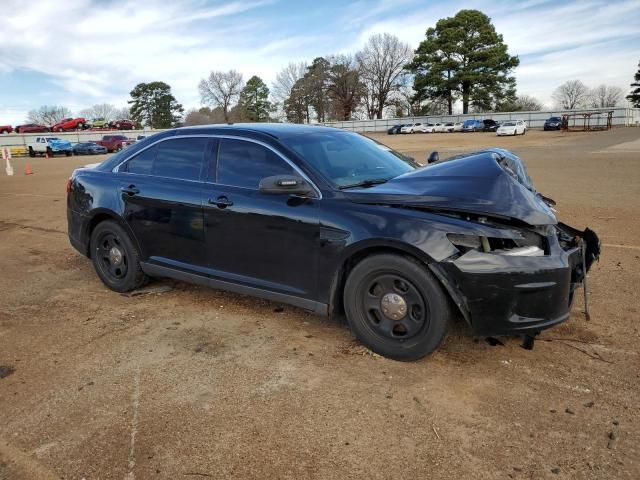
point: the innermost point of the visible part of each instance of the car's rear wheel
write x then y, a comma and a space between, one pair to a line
32, 153
396, 307
115, 258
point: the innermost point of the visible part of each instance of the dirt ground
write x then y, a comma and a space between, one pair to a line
197, 383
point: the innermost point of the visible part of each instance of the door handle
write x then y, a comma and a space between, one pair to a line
221, 202
130, 190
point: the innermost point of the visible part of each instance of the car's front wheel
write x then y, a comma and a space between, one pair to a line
396, 307
32, 152
115, 258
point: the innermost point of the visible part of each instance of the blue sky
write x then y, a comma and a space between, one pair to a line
78, 53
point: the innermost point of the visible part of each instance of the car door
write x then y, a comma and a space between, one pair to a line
266, 241
161, 189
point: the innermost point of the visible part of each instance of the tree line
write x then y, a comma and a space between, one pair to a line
463, 59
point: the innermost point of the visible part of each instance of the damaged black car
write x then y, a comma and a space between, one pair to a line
334, 222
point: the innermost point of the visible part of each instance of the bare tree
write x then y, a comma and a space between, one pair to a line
120, 113
571, 94
345, 88
381, 62
605, 96
48, 115
221, 89
527, 103
101, 110
286, 79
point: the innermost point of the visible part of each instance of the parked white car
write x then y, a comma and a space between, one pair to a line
429, 128
512, 127
413, 128
458, 127
439, 128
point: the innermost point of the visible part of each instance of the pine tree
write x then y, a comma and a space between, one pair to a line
634, 96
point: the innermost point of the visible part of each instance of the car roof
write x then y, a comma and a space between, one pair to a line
275, 130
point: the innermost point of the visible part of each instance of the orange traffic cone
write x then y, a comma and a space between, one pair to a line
27, 169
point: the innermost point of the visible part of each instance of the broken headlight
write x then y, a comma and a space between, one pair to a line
528, 245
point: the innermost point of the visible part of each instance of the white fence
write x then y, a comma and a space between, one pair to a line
622, 116
23, 139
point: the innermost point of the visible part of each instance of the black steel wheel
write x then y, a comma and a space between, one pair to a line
396, 307
115, 258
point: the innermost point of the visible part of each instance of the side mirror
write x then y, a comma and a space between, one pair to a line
285, 184
434, 157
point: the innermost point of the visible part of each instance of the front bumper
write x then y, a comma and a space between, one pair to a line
507, 295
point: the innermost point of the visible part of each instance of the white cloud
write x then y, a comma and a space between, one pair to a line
97, 51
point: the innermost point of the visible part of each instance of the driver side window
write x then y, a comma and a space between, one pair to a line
243, 164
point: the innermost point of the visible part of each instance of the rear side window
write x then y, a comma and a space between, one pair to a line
244, 164
180, 158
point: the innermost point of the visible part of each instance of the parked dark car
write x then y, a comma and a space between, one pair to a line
552, 123
395, 130
88, 148
123, 124
114, 143
331, 221
32, 128
489, 125
472, 126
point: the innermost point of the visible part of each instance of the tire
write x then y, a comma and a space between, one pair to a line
413, 334
68, 154
32, 154
524, 132
49, 152
119, 270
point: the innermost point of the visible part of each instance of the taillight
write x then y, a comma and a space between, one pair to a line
69, 184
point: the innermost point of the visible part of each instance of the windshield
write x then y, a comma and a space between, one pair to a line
508, 124
346, 158
554, 119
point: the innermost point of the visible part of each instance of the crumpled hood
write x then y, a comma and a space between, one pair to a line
491, 182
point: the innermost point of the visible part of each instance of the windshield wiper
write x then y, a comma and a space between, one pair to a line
365, 183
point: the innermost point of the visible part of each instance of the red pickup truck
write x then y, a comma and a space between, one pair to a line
114, 143
6, 129
69, 124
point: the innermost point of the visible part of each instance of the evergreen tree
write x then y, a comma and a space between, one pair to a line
152, 104
465, 56
254, 100
634, 96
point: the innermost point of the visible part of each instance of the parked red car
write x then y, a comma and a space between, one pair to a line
6, 129
32, 128
114, 143
69, 124
123, 124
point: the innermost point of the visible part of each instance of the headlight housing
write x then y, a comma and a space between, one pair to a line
529, 245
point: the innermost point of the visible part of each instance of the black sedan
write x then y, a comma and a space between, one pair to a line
553, 123
395, 130
336, 223
88, 148
490, 125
